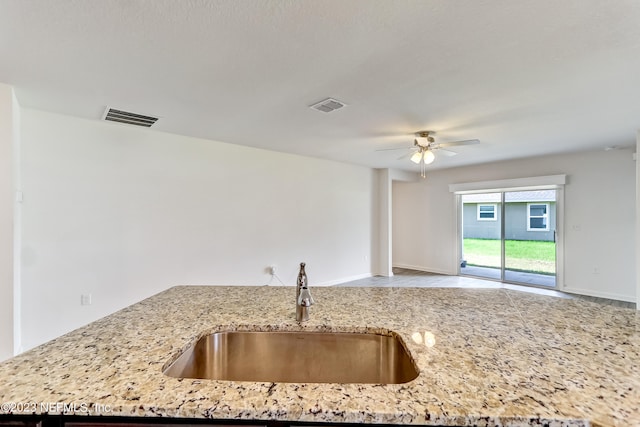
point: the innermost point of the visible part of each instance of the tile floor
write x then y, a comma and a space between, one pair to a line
412, 278
511, 276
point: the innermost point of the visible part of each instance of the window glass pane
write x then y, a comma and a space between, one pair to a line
486, 211
537, 210
537, 223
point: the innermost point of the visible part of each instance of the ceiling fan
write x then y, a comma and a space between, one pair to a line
424, 146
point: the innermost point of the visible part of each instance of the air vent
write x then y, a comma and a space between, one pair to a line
328, 105
120, 116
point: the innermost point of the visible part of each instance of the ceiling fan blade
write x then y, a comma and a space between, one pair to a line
409, 154
447, 153
454, 143
392, 149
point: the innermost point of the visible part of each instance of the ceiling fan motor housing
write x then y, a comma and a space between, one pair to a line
424, 134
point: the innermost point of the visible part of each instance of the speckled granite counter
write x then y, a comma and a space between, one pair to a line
501, 357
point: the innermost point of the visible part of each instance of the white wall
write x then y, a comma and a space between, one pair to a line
123, 213
385, 223
599, 218
384, 208
637, 221
17, 229
8, 145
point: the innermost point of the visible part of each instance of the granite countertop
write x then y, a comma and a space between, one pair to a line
500, 357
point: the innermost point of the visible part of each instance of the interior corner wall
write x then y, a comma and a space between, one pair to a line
7, 147
424, 226
599, 221
385, 233
122, 213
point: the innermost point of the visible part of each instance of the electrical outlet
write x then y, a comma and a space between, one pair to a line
272, 270
85, 299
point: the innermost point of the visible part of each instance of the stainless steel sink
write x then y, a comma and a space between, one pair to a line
296, 357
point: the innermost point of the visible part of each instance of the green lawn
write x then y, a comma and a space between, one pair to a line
523, 255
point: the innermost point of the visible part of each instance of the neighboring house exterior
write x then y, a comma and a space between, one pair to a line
530, 215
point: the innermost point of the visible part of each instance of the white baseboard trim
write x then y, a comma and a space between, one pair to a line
344, 279
425, 269
591, 293
381, 275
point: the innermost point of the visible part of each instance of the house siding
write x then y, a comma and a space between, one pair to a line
515, 223
472, 228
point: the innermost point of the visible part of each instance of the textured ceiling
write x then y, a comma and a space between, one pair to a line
525, 77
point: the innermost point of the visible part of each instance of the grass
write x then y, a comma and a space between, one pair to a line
521, 255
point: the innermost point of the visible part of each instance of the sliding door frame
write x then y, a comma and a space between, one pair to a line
553, 182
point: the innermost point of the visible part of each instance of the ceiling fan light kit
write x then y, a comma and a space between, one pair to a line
424, 144
428, 157
417, 156
425, 155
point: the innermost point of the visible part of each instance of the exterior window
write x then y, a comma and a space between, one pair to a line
538, 217
486, 212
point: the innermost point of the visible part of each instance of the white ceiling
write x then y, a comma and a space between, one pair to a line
526, 77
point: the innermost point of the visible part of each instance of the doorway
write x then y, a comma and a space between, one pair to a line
510, 236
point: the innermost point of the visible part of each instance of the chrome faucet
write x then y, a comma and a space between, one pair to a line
304, 300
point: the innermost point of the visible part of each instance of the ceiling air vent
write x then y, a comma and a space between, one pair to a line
120, 116
328, 105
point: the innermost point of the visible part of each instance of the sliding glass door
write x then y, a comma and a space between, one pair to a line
530, 237
510, 236
482, 235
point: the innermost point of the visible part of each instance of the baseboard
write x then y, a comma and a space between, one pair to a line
597, 294
425, 269
344, 279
